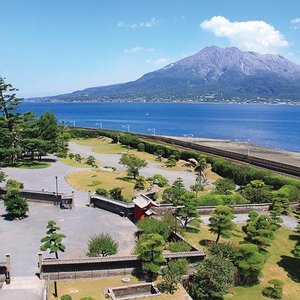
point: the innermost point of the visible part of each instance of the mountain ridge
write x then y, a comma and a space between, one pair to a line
215, 74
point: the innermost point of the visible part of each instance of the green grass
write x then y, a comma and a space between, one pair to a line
74, 163
35, 164
280, 265
91, 180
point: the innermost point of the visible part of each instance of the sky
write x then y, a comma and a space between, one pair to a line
50, 47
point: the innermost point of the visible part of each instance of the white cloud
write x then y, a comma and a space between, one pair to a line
295, 23
145, 24
158, 62
138, 49
248, 35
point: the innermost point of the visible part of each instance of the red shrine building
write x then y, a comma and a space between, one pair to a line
142, 207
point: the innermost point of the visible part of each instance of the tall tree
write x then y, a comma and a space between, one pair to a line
149, 250
221, 222
53, 240
200, 168
212, 279
133, 163
102, 245
187, 210
15, 205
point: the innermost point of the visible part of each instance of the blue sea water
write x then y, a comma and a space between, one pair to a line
276, 126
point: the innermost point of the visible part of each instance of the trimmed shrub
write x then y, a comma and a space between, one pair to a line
66, 297
141, 147
102, 192
215, 199
180, 246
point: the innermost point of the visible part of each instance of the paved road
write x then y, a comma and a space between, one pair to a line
38, 179
288, 221
21, 238
152, 168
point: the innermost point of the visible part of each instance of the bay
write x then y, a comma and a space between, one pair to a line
274, 126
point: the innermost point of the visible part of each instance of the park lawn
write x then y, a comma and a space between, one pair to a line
74, 163
94, 288
91, 180
195, 238
35, 164
280, 265
92, 141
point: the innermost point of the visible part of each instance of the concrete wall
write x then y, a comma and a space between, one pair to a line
43, 197
115, 206
103, 266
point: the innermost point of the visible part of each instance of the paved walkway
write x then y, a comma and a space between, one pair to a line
112, 160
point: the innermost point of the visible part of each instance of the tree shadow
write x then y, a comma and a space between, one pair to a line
191, 229
7, 217
206, 242
292, 266
125, 178
293, 237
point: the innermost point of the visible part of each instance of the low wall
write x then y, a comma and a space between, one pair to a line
103, 266
44, 197
115, 206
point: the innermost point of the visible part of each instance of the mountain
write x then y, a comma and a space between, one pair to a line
213, 74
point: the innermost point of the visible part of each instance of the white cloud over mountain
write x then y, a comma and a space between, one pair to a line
247, 35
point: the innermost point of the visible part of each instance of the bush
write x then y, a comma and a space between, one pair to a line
274, 292
141, 147
140, 183
151, 225
159, 180
291, 192
14, 184
180, 246
66, 297
15, 206
102, 192
215, 199
225, 250
102, 245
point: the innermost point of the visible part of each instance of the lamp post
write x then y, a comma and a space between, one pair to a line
100, 123
126, 126
56, 190
189, 135
153, 131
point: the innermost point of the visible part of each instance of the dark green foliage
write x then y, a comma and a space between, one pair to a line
102, 192
78, 158
260, 230
213, 277
172, 273
172, 194
180, 246
187, 210
227, 251
291, 192
15, 206
214, 199
116, 193
257, 192
221, 222
133, 164
140, 183
274, 291
53, 240
91, 161
151, 225
296, 250
71, 155
149, 249
159, 180
197, 187
2, 176
66, 297
250, 263
141, 147
276, 212
14, 184
171, 161
224, 186
102, 245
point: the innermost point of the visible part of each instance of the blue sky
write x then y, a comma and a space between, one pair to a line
49, 47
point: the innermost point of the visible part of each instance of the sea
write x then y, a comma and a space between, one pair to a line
271, 126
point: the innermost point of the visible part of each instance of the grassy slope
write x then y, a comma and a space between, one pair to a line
33, 164
74, 163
